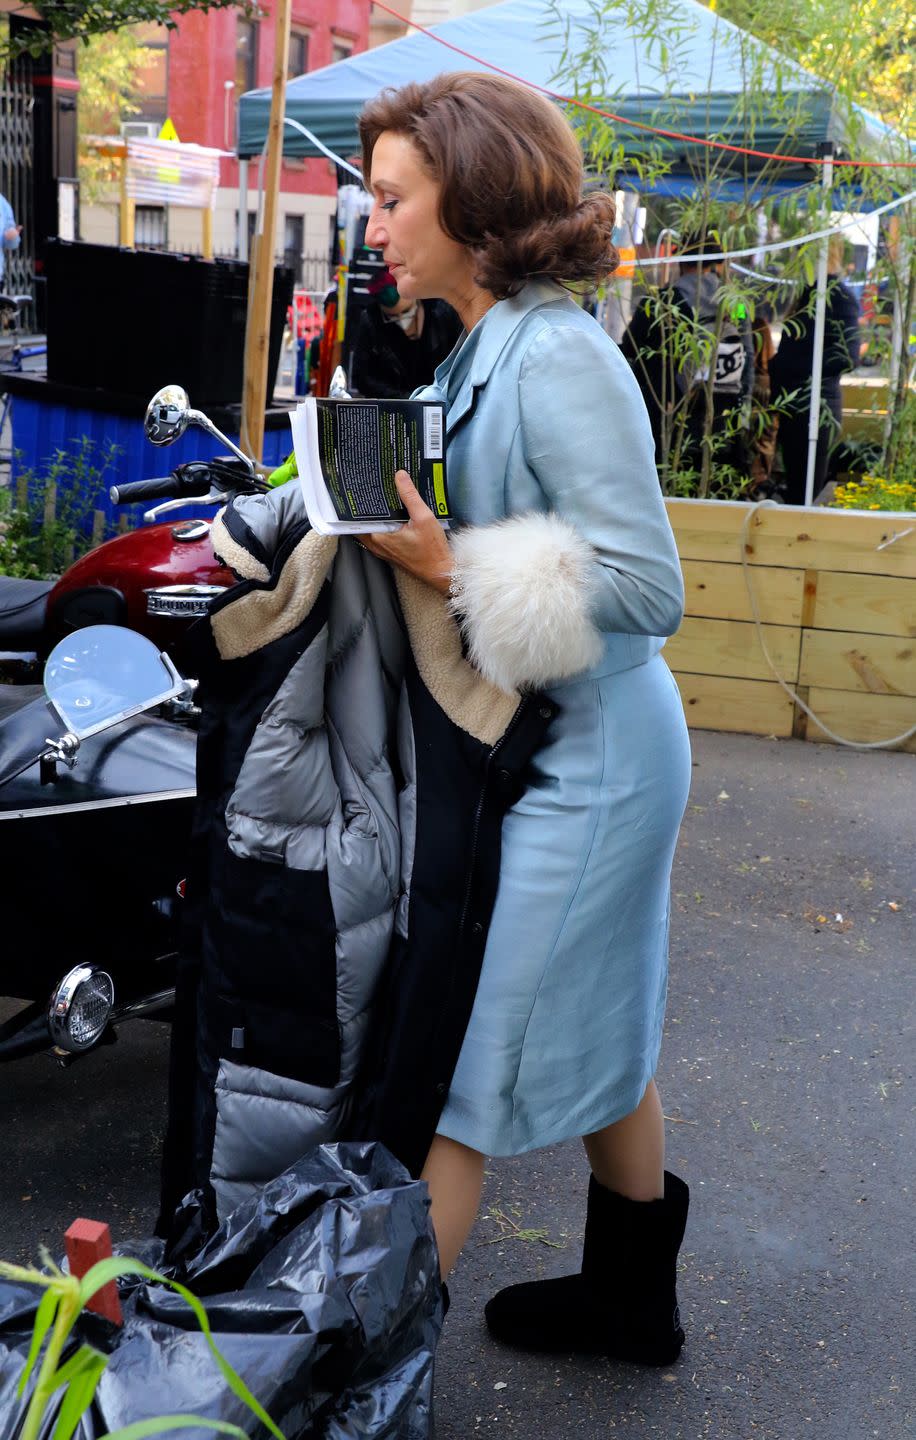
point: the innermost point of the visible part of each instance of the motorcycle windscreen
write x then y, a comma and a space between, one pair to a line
24, 736
103, 674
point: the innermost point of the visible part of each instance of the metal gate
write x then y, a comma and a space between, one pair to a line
16, 101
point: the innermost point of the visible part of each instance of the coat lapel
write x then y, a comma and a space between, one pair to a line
496, 330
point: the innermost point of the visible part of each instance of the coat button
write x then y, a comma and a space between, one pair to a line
477, 930
442, 1088
545, 712
505, 778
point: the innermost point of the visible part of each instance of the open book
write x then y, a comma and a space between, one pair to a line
347, 452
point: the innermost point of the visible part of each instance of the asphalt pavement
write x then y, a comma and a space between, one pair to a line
787, 1080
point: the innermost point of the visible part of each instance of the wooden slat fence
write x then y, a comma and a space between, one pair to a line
836, 596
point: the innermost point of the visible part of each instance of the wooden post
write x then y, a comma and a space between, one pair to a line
49, 515
87, 1242
260, 290
126, 236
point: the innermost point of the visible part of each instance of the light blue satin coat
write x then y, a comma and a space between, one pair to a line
544, 414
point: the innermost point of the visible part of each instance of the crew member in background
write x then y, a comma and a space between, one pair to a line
764, 420
399, 342
790, 377
668, 370
9, 233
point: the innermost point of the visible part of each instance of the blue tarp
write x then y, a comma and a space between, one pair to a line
679, 66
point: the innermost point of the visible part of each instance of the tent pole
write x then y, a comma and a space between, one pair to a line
820, 310
902, 260
242, 246
257, 336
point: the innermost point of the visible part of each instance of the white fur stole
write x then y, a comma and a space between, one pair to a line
522, 590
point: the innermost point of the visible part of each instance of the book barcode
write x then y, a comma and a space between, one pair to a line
432, 433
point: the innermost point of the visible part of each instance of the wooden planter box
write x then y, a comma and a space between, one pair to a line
836, 597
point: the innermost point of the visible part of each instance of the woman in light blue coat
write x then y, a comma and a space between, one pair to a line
564, 576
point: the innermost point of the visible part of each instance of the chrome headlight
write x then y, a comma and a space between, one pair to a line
80, 1007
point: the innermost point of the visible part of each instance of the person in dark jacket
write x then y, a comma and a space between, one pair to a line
399, 342
790, 379
764, 420
670, 380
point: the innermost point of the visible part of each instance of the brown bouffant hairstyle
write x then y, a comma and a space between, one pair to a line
510, 174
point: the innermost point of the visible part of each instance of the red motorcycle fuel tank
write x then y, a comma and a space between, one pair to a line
157, 579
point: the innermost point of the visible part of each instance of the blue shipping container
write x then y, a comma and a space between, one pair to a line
42, 426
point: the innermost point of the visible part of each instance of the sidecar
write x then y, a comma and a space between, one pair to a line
91, 863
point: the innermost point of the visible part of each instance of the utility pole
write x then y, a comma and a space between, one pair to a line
260, 285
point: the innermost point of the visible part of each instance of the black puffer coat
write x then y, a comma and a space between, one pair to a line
353, 772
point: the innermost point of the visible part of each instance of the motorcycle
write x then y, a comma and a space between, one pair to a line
93, 829
93, 869
156, 579
94, 825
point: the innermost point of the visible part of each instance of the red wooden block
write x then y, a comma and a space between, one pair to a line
89, 1241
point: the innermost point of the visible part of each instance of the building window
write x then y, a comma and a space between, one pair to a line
150, 227
341, 49
293, 243
246, 56
252, 226
298, 53
153, 77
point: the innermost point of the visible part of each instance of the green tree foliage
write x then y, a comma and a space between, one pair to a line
110, 66
81, 19
865, 47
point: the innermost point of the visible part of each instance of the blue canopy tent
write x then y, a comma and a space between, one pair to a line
692, 79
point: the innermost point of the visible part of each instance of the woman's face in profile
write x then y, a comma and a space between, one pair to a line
404, 224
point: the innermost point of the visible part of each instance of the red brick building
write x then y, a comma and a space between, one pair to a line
195, 75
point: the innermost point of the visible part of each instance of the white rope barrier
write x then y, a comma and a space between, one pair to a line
344, 164
774, 245
793, 695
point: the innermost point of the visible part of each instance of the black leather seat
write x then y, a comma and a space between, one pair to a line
23, 608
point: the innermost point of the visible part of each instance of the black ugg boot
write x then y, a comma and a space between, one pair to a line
624, 1302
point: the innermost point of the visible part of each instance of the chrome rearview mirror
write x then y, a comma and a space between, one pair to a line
167, 415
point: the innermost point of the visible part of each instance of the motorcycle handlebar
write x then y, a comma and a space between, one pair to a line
161, 489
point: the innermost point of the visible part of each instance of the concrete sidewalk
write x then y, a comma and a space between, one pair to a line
787, 1073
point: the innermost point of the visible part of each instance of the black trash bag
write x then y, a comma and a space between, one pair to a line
322, 1291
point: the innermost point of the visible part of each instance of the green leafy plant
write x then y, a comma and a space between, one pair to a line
890, 485
900, 453
46, 522
873, 492
78, 1375
738, 206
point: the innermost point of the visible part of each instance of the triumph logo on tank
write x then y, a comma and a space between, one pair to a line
181, 601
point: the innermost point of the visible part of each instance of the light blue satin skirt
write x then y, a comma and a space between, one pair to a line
566, 1026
